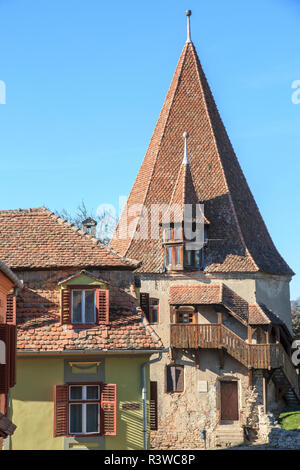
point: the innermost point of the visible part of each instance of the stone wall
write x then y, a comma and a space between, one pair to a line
282, 439
182, 416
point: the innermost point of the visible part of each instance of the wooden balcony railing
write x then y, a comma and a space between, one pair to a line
216, 336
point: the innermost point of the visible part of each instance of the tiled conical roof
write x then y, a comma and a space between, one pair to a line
238, 238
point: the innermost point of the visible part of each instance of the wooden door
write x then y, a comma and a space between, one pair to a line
229, 401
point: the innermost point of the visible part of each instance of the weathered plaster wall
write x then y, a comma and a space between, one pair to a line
274, 292
178, 429
182, 416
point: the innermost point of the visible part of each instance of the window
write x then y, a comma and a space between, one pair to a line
150, 307
153, 311
84, 409
185, 316
170, 256
175, 378
178, 253
83, 306
193, 258
178, 233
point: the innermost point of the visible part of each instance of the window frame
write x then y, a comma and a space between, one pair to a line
83, 314
83, 287
175, 366
151, 310
83, 402
188, 311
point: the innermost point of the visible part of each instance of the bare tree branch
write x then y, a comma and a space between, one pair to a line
106, 221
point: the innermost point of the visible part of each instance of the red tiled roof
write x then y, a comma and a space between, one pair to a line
238, 238
37, 238
214, 294
128, 330
184, 193
195, 294
259, 314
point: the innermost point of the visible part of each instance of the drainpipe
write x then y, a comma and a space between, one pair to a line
144, 392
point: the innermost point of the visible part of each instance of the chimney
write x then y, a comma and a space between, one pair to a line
89, 226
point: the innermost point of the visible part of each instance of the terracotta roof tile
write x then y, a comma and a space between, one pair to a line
259, 314
127, 330
238, 238
37, 238
214, 294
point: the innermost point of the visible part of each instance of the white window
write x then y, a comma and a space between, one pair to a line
83, 306
84, 409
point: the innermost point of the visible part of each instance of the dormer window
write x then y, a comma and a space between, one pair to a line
193, 258
83, 305
179, 253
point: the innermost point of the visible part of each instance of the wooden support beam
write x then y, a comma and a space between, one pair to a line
250, 334
221, 358
172, 314
268, 334
265, 394
172, 355
277, 334
197, 358
250, 377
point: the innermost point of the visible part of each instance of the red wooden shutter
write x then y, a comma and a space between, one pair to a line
102, 305
12, 355
109, 409
61, 410
66, 306
4, 367
11, 310
153, 406
145, 304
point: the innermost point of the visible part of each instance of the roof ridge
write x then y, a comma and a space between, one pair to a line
21, 211
89, 237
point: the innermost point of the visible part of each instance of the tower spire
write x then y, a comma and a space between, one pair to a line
185, 160
188, 14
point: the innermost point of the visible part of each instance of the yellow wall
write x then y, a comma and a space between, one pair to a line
126, 373
32, 406
32, 403
83, 279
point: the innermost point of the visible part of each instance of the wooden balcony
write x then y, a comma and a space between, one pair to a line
218, 336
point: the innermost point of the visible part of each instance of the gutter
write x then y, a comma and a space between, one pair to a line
144, 391
6, 270
88, 352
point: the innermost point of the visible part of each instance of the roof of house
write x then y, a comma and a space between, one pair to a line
128, 330
184, 196
238, 239
37, 238
220, 294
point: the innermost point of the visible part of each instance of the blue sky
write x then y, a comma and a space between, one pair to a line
85, 81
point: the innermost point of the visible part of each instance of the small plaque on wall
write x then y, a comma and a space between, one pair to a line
202, 386
131, 406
